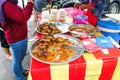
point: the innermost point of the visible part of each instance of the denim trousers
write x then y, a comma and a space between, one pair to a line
19, 49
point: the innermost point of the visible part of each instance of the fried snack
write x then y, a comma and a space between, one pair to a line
50, 49
46, 28
81, 28
71, 28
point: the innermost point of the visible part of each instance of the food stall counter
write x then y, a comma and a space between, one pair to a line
89, 66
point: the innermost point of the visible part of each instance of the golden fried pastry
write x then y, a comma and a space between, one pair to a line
49, 29
50, 49
81, 28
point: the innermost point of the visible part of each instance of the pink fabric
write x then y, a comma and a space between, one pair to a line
90, 45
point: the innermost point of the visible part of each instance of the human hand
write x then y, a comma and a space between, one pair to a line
76, 5
85, 6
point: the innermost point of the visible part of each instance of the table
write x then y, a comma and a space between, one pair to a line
115, 17
87, 67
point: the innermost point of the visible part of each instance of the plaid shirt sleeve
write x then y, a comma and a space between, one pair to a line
98, 8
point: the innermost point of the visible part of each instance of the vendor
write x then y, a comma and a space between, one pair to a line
39, 4
94, 11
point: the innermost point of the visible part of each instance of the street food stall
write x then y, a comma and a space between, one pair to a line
66, 51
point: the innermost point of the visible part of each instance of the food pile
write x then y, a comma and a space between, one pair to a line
81, 28
50, 49
48, 28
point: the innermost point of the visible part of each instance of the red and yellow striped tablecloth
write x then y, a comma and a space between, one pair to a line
87, 67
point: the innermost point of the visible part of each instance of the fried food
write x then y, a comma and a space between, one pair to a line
50, 49
81, 28
47, 28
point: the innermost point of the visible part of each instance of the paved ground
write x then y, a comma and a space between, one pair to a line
6, 65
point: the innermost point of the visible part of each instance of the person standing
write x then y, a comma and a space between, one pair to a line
39, 4
14, 24
95, 9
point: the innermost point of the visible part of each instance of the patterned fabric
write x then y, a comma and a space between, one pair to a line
90, 66
69, 3
98, 7
57, 2
86, 67
97, 10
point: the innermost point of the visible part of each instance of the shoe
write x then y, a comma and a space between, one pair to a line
26, 72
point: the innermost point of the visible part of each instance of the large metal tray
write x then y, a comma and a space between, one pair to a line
76, 42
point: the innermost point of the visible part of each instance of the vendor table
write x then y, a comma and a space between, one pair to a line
88, 67
115, 17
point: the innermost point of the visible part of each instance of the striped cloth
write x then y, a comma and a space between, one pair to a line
87, 67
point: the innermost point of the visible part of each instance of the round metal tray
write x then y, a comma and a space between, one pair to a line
75, 41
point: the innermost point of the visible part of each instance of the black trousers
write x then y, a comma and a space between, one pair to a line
3, 41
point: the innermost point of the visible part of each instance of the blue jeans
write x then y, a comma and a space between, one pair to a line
19, 49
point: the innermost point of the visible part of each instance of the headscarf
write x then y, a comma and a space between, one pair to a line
2, 17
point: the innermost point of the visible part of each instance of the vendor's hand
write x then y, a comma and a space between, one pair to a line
85, 6
50, 2
76, 5
31, 1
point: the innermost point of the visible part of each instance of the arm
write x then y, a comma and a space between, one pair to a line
50, 2
16, 14
83, 5
98, 8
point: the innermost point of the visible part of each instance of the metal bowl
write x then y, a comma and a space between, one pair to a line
75, 41
78, 31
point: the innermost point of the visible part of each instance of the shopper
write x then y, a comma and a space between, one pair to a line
4, 44
39, 4
14, 24
94, 8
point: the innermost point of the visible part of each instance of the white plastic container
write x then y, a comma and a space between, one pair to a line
45, 15
53, 14
61, 15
